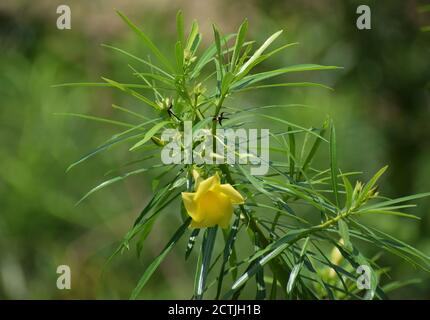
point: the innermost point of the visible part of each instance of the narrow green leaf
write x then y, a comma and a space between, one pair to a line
140, 223
192, 36
99, 84
159, 197
274, 249
348, 191
273, 291
394, 201
400, 284
207, 56
203, 267
169, 82
146, 230
255, 182
262, 58
282, 85
248, 47
154, 265
131, 92
228, 249
149, 134
372, 182
147, 41
226, 81
180, 26
254, 78
151, 65
393, 245
191, 242
217, 38
98, 119
219, 76
111, 181
312, 132
313, 150
259, 51
333, 163
138, 115
293, 276
292, 143
240, 39
288, 212
179, 54
259, 277
297, 267
388, 212
102, 148
196, 44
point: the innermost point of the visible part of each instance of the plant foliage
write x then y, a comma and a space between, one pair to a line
294, 256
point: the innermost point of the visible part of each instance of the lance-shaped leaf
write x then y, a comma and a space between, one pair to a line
333, 163
228, 249
149, 134
259, 51
147, 41
180, 26
240, 39
191, 242
204, 263
254, 78
154, 265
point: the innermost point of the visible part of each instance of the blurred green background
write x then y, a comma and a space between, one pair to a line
380, 106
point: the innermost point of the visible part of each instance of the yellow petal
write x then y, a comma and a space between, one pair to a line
225, 221
195, 225
190, 204
231, 193
197, 178
207, 185
212, 203
215, 208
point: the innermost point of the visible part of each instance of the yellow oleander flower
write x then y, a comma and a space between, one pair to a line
212, 203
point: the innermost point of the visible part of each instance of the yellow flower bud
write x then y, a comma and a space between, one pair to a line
212, 203
335, 258
158, 141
